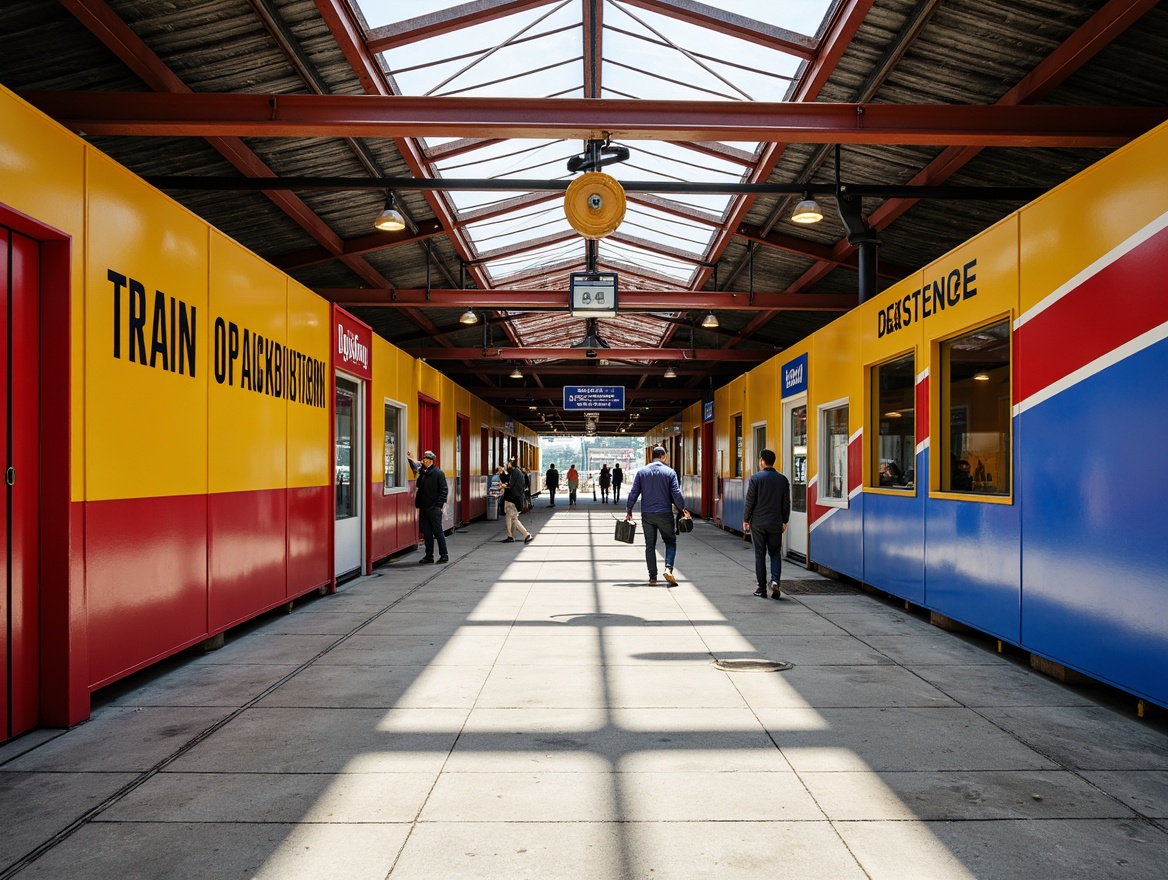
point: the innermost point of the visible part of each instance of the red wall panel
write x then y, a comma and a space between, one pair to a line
246, 562
310, 513
146, 580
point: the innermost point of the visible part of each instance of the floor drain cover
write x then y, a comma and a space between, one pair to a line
753, 665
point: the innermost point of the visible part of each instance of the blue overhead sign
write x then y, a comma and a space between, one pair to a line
594, 397
795, 376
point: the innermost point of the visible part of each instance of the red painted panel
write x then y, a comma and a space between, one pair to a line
855, 463
922, 413
24, 390
1041, 350
814, 511
310, 519
146, 581
4, 608
247, 541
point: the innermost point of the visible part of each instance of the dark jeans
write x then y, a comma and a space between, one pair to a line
603, 494
652, 523
616, 492
431, 530
552, 496
768, 541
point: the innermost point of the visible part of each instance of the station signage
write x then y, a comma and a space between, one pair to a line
353, 345
707, 411
795, 376
594, 397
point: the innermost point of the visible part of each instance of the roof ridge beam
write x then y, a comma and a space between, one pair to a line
445, 21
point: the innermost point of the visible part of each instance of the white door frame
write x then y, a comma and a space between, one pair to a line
349, 533
795, 538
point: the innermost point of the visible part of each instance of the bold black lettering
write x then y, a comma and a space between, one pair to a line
269, 386
954, 286
158, 334
119, 282
898, 318
907, 309
970, 277
881, 323
219, 364
278, 358
916, 297
137, 322
925, 311
187, 329
173, 363
232, 351
245, 367
938, 295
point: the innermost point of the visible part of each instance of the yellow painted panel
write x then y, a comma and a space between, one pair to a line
309, 344
247, 410
1080, 221
147, 340
42, 175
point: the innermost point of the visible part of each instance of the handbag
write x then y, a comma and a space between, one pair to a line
684, 524
625, 531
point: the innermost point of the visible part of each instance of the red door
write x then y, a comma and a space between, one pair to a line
464, 467
19, 420
707, 469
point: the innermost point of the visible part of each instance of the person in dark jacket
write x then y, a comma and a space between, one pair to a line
764, 518
618, 477
657, 487
430, 494
514, 495
605, 481
552, 480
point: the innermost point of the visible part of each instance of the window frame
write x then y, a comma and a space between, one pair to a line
403, 414
941, 405
823, 453
876, 419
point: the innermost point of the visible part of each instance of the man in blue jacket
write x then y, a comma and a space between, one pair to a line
764, 518
657, 487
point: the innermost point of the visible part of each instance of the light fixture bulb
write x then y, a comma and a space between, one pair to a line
807, 212
390, 219
670, 373
469, 317
710, 320
981, 377
517, 373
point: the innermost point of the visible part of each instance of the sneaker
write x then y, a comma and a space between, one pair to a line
426, 560
529, 539
443, 558
670, 578
508, 540
776, 593
761, 592
652, 582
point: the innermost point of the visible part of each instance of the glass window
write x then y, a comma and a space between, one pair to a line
834, 484
975, 403
759, 441
799, 459
738, 446
345, 473
395, 421
893, 402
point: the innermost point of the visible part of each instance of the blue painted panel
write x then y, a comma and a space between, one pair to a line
1096, 557
973, 563
733, 503
837, 540
894, 541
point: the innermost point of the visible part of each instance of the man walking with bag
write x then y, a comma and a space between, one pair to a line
514, 495
431, 492
657, 486
764, 518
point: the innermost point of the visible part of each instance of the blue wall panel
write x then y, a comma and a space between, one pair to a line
973, 564
733, 503
1095, 568
837, 541
894, 541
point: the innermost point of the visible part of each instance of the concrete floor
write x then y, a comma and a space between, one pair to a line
539, 711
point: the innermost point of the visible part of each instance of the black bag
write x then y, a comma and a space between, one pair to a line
626, 531
684, 524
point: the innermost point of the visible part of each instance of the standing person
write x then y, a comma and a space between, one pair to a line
605, 482
618, 477
657, 487
573, 485
552, 480
514, 496
768, 507
430, 496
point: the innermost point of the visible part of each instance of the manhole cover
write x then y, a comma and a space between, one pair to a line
753, 665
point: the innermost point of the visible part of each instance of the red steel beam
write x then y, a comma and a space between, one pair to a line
642, 354
631, 300
815, 251
400, 116
356, 247
1095, 34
